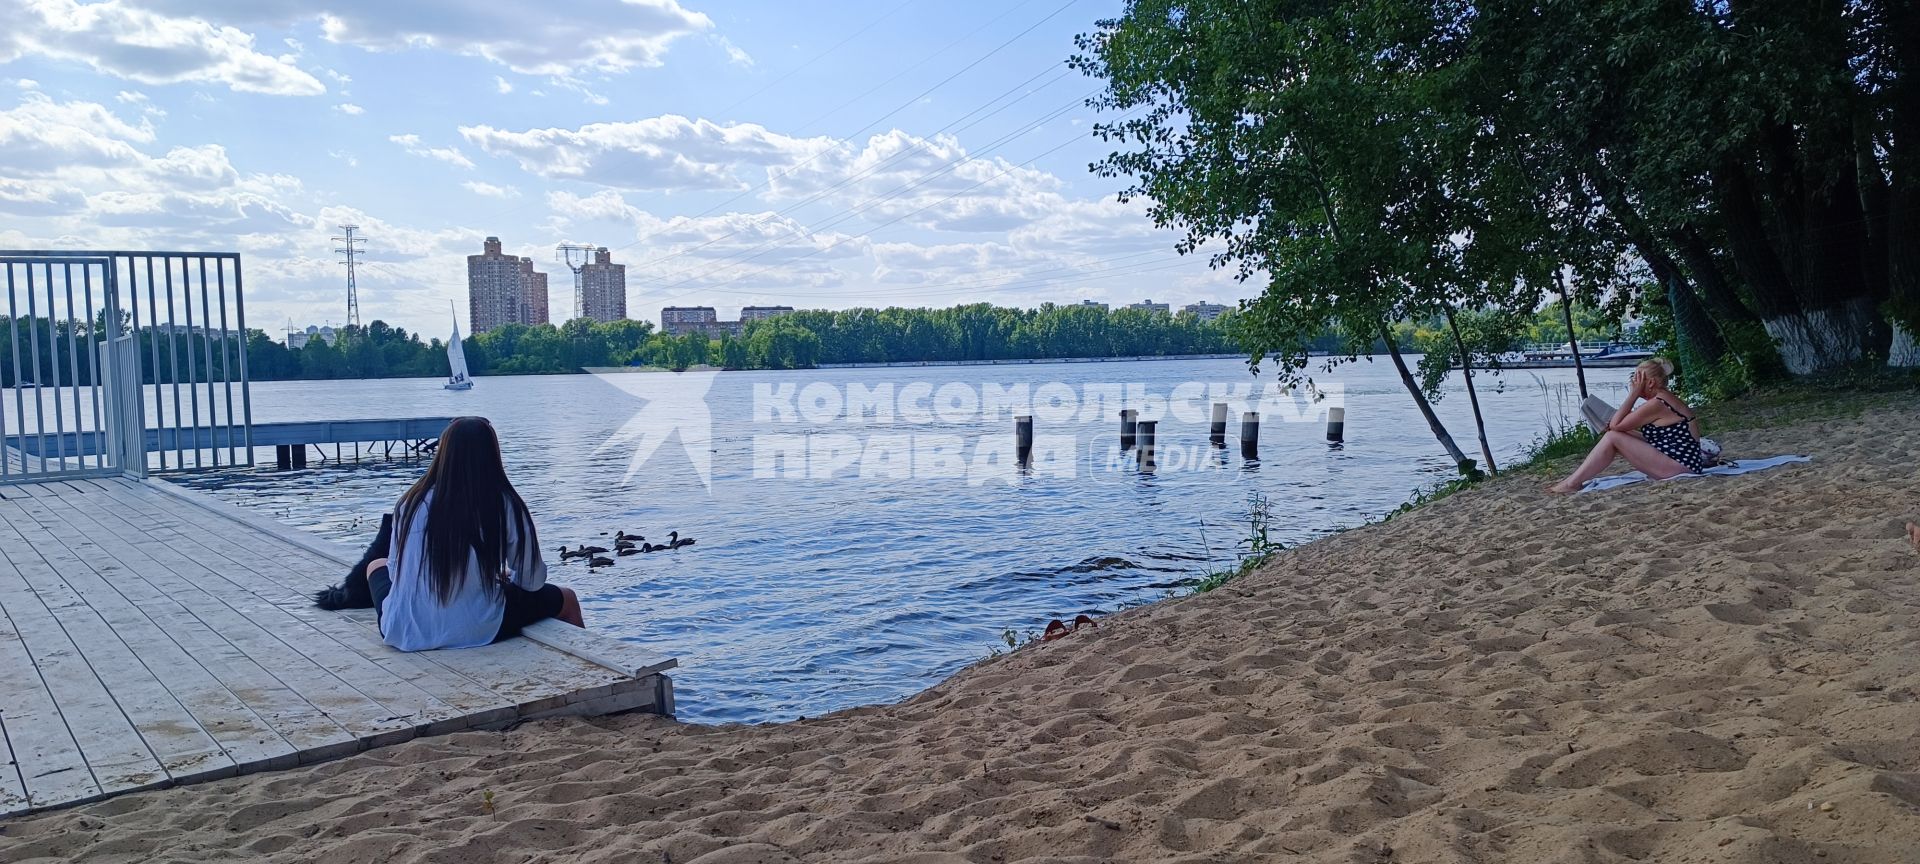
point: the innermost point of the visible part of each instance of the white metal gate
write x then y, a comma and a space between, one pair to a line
120, 362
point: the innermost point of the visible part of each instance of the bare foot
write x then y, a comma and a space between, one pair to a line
1561, 488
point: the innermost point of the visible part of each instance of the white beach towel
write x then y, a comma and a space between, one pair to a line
1728, 469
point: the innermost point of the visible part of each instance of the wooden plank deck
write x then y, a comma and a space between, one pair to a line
150, 636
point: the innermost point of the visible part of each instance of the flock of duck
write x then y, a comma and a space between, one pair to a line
623, 544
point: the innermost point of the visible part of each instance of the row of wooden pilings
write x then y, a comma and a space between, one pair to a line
1139, 435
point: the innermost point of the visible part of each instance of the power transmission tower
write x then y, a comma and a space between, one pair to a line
564, 253
350, 244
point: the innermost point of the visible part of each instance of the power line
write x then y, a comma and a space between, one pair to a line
897, 109
848, 212
888, 162
896, 220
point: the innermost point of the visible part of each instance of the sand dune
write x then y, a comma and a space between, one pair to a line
1722, 670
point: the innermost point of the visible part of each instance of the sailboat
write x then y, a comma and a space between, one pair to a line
457, 360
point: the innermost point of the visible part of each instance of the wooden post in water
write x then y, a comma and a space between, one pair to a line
1336, 424
1129, 418
1023, 439
1217, 431
282, 456
300, 455
1146, 429
1250, 435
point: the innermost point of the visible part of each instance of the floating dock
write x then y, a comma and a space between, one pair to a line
151, 636
406, 433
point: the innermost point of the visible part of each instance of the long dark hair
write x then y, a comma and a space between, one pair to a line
472, 507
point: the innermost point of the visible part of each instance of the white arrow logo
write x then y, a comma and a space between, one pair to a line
675, 404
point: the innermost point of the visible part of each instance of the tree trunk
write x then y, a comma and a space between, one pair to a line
1573, 339
1420, 399
1722, 302
1466, 368
1814, 331
1696, 330
1698, 337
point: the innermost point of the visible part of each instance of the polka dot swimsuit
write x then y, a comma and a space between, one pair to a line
1676, 441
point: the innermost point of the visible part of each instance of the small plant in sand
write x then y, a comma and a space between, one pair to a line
486, 804
1257, 546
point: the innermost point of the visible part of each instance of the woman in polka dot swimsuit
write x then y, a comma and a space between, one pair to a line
1653, 430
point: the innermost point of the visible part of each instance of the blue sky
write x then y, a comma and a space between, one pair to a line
816, 154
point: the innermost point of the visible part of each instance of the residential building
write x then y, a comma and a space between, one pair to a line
757, 313
1206, 311
603, 288
675, 320
1150, 306
297, 339
537, 309
1094, 304
501, 289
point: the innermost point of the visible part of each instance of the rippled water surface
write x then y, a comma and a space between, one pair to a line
805, 595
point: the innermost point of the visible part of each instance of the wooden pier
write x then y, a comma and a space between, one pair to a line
150, 636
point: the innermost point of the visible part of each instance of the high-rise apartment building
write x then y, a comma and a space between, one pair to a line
537, 301
603, 288
1150, 306
503, 289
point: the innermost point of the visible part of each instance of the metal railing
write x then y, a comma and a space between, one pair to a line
149, 340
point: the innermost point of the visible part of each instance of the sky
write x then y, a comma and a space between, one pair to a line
808, 153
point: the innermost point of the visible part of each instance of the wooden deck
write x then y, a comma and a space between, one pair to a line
150, 636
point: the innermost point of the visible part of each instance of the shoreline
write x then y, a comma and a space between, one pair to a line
1497, 676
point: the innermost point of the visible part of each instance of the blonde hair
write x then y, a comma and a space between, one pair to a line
1659, 369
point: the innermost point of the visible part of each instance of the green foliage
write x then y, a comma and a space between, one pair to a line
1377, 160
1256, 547
1567, 439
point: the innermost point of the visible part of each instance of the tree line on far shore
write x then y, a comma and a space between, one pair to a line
796, 341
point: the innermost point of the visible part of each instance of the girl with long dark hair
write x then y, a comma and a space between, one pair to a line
465, 560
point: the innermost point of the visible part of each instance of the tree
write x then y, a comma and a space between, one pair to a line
1296, 137
780, 343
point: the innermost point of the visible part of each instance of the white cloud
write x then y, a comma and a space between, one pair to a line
528, 36
491, 191
502, 85
765, 248
666, 152
735, 53
567, 82
450, 155
342, 155
120, 39
41, 137
27, 84
349, 108
929, 182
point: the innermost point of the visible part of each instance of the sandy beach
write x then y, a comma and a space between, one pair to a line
1711, 670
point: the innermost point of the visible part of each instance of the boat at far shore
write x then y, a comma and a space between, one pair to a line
1601, 355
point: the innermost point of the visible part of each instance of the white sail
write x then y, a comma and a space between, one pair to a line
457, 361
